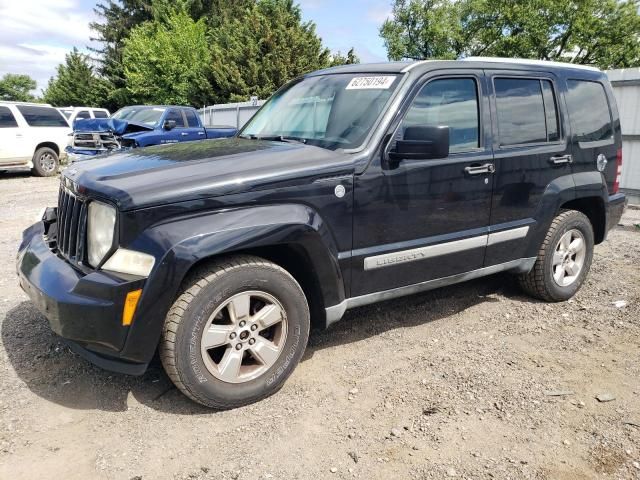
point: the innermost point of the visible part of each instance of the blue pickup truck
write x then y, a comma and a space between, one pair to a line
140, 126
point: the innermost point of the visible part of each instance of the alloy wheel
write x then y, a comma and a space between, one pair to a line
47, 162
569, 257
244, 337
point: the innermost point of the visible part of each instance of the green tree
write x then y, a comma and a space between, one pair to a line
168, 60
17, 87
349, 59
75, 83
264, 46
422, 29
604, 33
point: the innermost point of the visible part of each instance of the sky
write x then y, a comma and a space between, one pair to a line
35, 35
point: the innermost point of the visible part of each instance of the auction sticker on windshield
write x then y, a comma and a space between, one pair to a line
378, 82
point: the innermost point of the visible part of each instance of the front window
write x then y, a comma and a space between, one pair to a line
143, 115
329, 111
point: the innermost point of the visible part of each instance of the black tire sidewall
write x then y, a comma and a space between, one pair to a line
36, 162
575, 221
192, 370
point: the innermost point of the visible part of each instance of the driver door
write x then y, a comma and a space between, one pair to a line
419, 220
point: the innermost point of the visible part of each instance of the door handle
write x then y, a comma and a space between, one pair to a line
184, 134
18, 135
560, 159
480, 169
200, 133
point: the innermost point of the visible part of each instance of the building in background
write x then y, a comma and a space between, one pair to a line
626, 88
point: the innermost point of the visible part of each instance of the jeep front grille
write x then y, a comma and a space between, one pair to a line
72, 225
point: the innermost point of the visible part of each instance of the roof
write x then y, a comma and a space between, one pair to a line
33, 104
526, 61
424, 65
157, 106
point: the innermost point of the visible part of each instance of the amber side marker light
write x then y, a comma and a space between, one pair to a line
130, 304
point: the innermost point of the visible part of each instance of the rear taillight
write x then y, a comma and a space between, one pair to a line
616, 184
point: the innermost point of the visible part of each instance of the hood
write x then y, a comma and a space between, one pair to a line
170, 173
118, 127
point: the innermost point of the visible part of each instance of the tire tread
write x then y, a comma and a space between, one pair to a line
533, 282
195, 281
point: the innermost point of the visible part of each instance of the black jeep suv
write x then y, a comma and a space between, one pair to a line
350, 186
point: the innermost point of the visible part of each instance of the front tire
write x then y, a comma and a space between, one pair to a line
564, 259
235, 333
45, 162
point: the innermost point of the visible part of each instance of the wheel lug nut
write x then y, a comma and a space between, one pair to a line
252, 341
254, 327
243, 323
239, 346
232, 336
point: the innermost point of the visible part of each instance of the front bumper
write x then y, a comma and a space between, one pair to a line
83, 308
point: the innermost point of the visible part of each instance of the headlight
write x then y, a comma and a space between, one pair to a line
130, 261
101, 222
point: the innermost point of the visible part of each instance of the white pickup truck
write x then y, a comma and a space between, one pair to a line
32, 135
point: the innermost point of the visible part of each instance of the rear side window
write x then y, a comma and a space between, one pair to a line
453, 103
589, 111
83, 114
176, 116
100, 114
42, 116
7, 120
527, 111
192, 118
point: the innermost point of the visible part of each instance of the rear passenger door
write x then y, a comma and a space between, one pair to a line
592, 134
531, 151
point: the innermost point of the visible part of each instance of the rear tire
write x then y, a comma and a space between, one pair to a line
45, 162
564, 259
235, 333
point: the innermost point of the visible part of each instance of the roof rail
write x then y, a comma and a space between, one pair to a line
526, 61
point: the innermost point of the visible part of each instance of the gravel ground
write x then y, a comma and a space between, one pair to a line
471, 381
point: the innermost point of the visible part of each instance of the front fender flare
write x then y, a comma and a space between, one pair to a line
178, 244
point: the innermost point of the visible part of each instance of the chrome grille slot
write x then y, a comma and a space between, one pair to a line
72, 225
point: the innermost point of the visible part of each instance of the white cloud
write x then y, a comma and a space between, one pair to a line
36, 34
379, 13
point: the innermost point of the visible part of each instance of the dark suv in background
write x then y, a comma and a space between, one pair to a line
350, 186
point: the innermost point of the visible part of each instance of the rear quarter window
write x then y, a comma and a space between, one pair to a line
7, 120
42, 116
83, 115
589, 111
192, 118
100, 114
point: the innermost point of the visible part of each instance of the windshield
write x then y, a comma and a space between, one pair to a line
330, 111
143, 115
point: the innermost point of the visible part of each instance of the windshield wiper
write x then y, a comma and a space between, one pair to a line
276, 138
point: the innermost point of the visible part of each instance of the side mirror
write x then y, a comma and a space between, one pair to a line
422, 143
169, 124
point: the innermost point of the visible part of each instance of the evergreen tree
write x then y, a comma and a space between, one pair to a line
269, 44
117, 19
75, 83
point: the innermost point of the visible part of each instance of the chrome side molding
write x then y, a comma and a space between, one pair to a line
422, 253
336, 312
